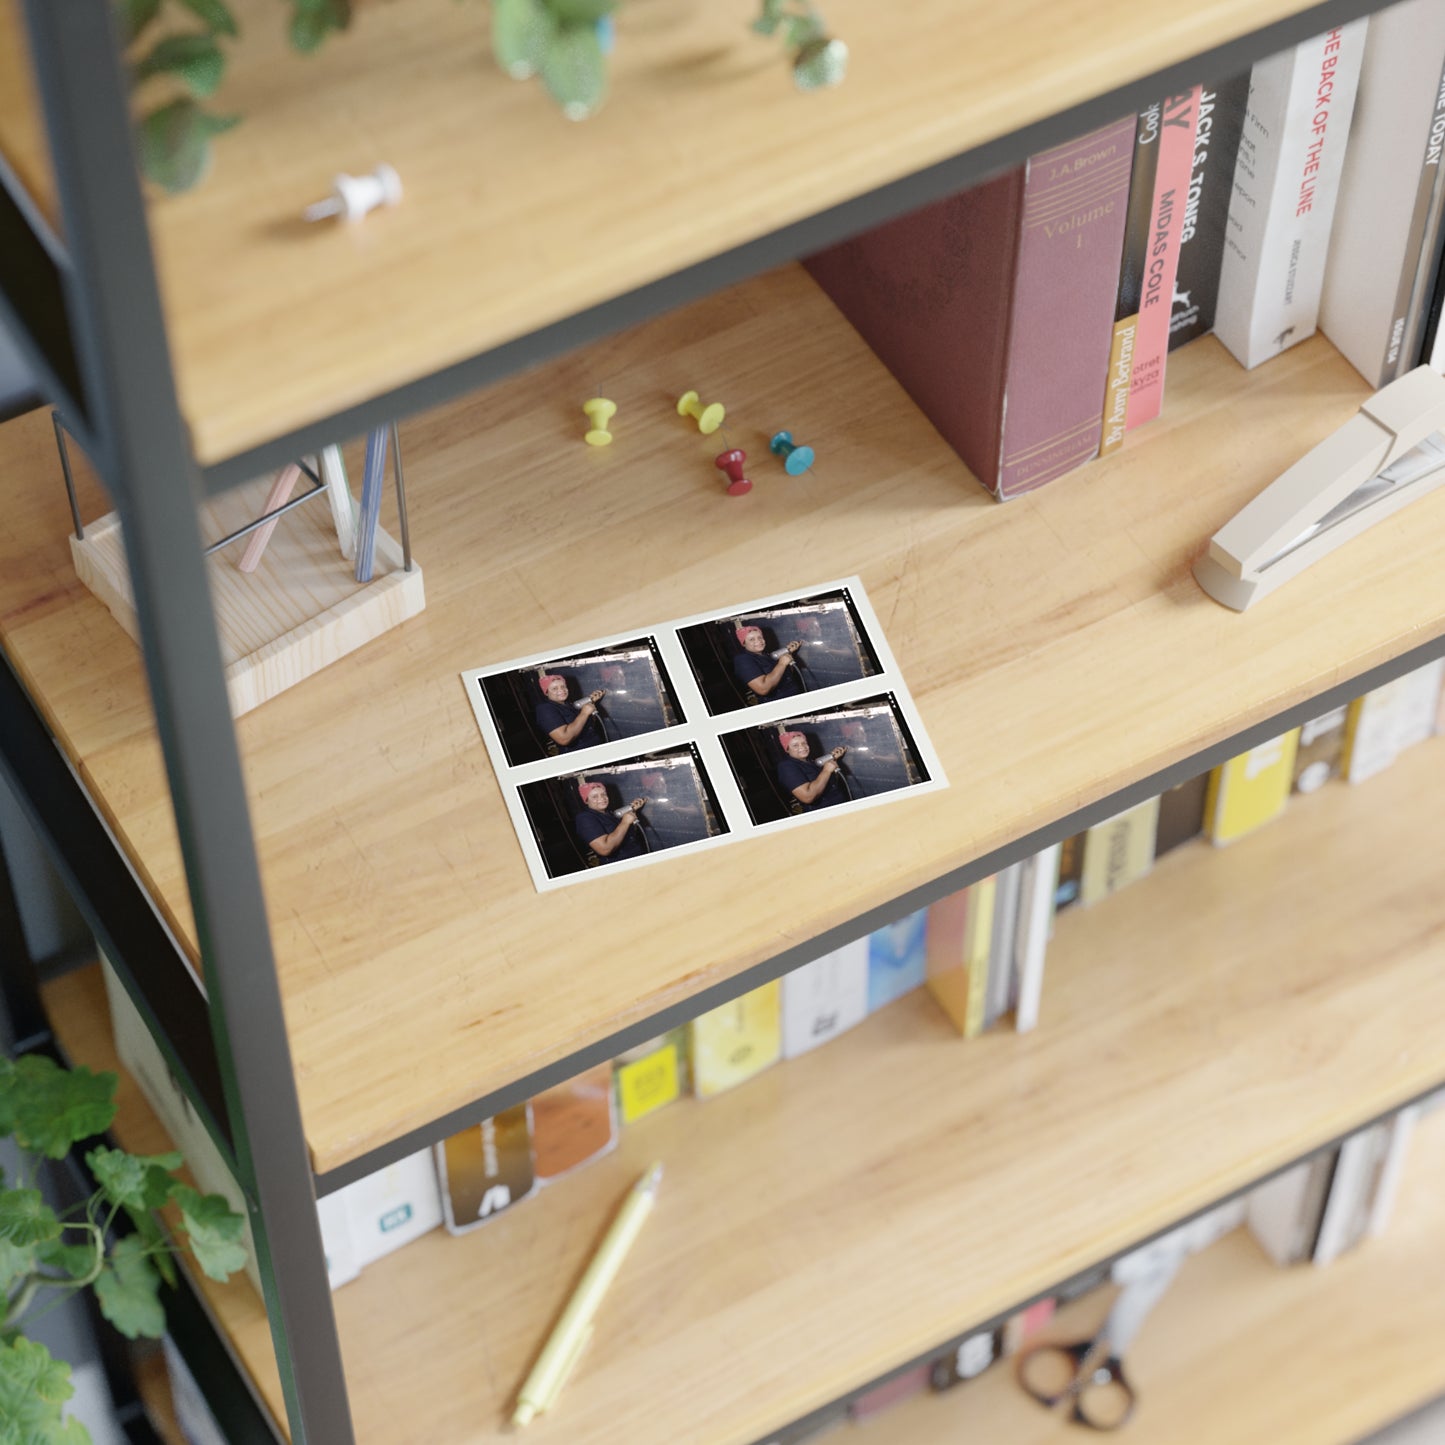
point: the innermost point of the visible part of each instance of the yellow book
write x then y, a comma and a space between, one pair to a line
651, 1075
1118, 851
1251, 790
978, 944
734, 1042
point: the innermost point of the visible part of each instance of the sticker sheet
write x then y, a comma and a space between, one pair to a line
776, 713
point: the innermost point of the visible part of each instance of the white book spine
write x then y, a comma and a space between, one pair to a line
1387, 1186
1351, 1178
1002, 945
1036, 918
1387, 190
1419, 702
1286, 182
824, 998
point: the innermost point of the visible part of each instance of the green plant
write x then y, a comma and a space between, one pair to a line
565, 42
45, 1256
174, 136
818, 59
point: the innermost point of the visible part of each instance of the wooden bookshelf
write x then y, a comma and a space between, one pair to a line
703, 145
1057, 649
22, 133
848, 1211
1243, 1351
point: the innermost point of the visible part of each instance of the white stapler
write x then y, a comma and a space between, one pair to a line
1390, 453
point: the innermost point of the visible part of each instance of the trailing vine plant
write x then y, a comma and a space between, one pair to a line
45, 1256
182, 68
563, 42
566, 44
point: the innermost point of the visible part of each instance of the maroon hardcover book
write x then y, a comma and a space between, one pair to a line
995, 307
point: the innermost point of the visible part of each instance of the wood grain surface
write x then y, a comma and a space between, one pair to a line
1057, 647
514, 217
1243, 1351
849, 1210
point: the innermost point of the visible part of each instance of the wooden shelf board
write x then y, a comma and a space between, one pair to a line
1243, 1351
1057, 647
847, 1211
22, 128
514, 218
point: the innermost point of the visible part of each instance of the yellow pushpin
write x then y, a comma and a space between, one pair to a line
709, 418
599, 412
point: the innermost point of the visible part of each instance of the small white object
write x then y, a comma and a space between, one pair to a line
353, 196
343, 504
1384, 457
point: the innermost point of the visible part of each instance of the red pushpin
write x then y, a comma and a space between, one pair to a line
731, 462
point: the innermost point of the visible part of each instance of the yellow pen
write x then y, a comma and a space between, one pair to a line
572, 1331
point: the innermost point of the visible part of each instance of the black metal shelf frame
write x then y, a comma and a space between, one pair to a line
88, 316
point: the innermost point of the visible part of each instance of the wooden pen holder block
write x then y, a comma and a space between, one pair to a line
300, 610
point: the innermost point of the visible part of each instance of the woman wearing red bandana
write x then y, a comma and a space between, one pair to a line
813, 784
609, 837
759, 673
569, 728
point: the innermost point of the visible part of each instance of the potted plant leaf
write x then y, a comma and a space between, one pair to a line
47, 1255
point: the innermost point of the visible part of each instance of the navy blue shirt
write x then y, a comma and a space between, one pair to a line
552, 715
592, 825
799, 772
749, 665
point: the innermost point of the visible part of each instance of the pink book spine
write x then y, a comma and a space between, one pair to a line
1057, 360
1171, 191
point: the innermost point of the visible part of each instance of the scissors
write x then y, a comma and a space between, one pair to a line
1089, 1374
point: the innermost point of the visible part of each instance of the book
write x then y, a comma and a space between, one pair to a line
891, 1392
1038, 890
573, 1123
1342, 1224
395, 1205
1177, 125
1400, 1130
960, 937
737, 1040
1181, 814
1251, 790
1023, 1324
651, 1075
1286, 180
1283, 1214
1388, 189
896, 959
1118, 851
1001, 988
486, 1169
1071, 869
1206, 209
1129, 292
1419, 706
825, 998
993, 307
1386, 720
966, 1362
1321, 750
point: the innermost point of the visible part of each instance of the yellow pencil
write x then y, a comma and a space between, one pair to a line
572, 1331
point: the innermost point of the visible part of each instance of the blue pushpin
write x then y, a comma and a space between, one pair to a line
796, 460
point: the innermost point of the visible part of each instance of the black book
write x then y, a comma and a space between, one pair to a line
1206, 211
1181, 814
